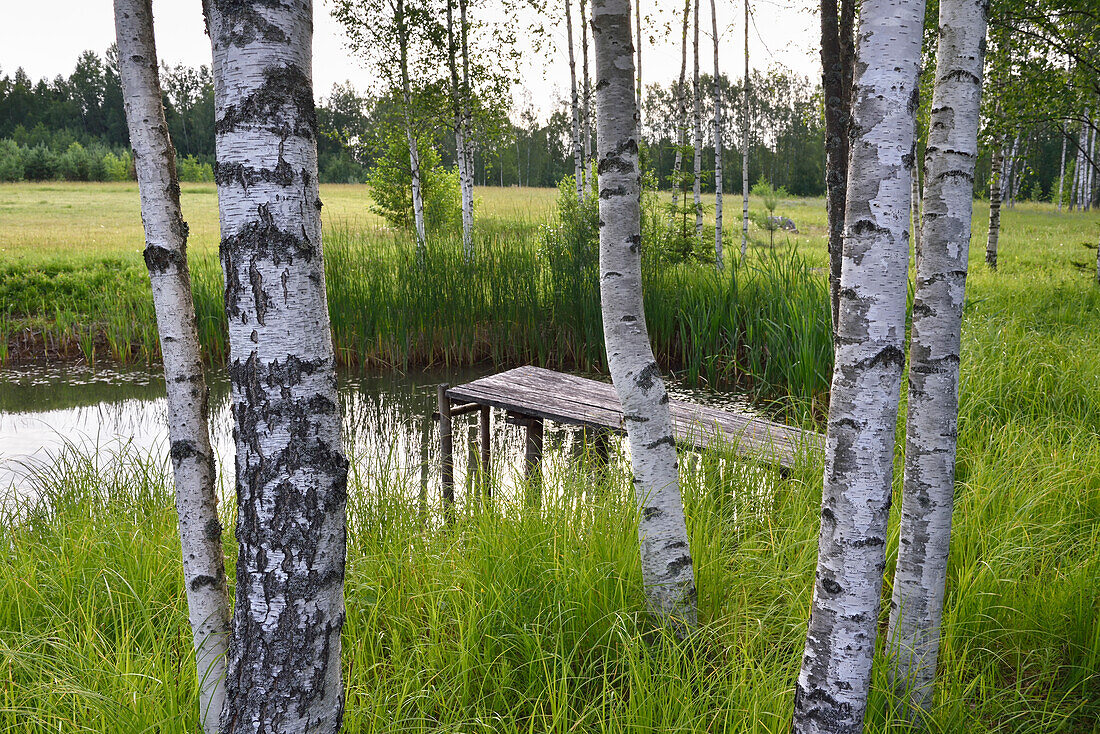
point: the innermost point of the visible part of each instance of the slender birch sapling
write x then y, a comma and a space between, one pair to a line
666, 558
833, 684
187, 395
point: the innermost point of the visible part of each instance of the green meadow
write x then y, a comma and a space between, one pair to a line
516, 619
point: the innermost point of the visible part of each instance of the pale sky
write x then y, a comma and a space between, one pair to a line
45, 37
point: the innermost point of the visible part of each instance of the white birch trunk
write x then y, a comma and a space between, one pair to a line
681, 113
578, 152
466, 186
410, 134
460, 136
1062, 170
929, 485
586, 100
1075, 188
745, 147
666, 559
697, 144
187, 395
638, 43
994, 208
291, 474
915, 206
719, 264
833, 684
1091, 169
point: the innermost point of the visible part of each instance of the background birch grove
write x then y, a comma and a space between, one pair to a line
934, 567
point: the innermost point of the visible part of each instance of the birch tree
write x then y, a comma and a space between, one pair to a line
666, 558
745, 146
697, 186
837, 58
833, 684
586, 99
1062, 168
467, 184
994, 207
291, 475
931, 426
681, 112
187, 395
385, 33
718, 262
458, 108
578, 153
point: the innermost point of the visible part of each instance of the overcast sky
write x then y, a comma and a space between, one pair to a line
46, 36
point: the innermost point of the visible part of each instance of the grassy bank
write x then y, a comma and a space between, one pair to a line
525, 299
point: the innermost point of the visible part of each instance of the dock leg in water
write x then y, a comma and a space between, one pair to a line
486, 467
446, 453
533, 461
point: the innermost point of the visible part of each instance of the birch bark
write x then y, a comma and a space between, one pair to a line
466, 187
586, 100
681, 112
915, 208
718, 261
666, 559
578, 153
187, 395
1062, 169
410, 134
931, 429
697, 186
745, 147
831, 695
994, 207
291, 474
638, 77
836, 72
460, 127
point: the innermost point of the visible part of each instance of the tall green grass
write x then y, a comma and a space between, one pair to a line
764, 324
522, 619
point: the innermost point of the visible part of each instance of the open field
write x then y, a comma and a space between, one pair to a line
518, 620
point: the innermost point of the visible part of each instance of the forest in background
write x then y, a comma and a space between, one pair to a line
74, 129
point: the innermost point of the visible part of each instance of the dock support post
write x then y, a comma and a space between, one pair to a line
603, 447
533, 461
446, 452
486, 456
473, 471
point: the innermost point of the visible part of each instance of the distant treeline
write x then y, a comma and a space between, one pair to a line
74, 128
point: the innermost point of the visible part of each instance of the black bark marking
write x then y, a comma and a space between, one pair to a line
648, 376
183, 450
650, 513
160, 259
247, 24
282, 104
200, 581
245, 176
661, 441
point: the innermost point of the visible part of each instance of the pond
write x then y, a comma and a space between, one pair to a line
387, 423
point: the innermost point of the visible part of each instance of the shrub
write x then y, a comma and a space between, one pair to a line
41, 164
390, 184
118, 167
190, 168
11, 161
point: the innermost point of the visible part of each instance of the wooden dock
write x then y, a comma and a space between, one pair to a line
531, 395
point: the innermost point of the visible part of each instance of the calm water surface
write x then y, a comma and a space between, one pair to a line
386, 418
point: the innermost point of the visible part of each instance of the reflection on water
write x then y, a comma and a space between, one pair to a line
387, 422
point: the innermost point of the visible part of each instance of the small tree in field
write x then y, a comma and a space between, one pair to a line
390, 183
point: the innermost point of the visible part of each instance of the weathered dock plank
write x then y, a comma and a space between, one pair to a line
546, 394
